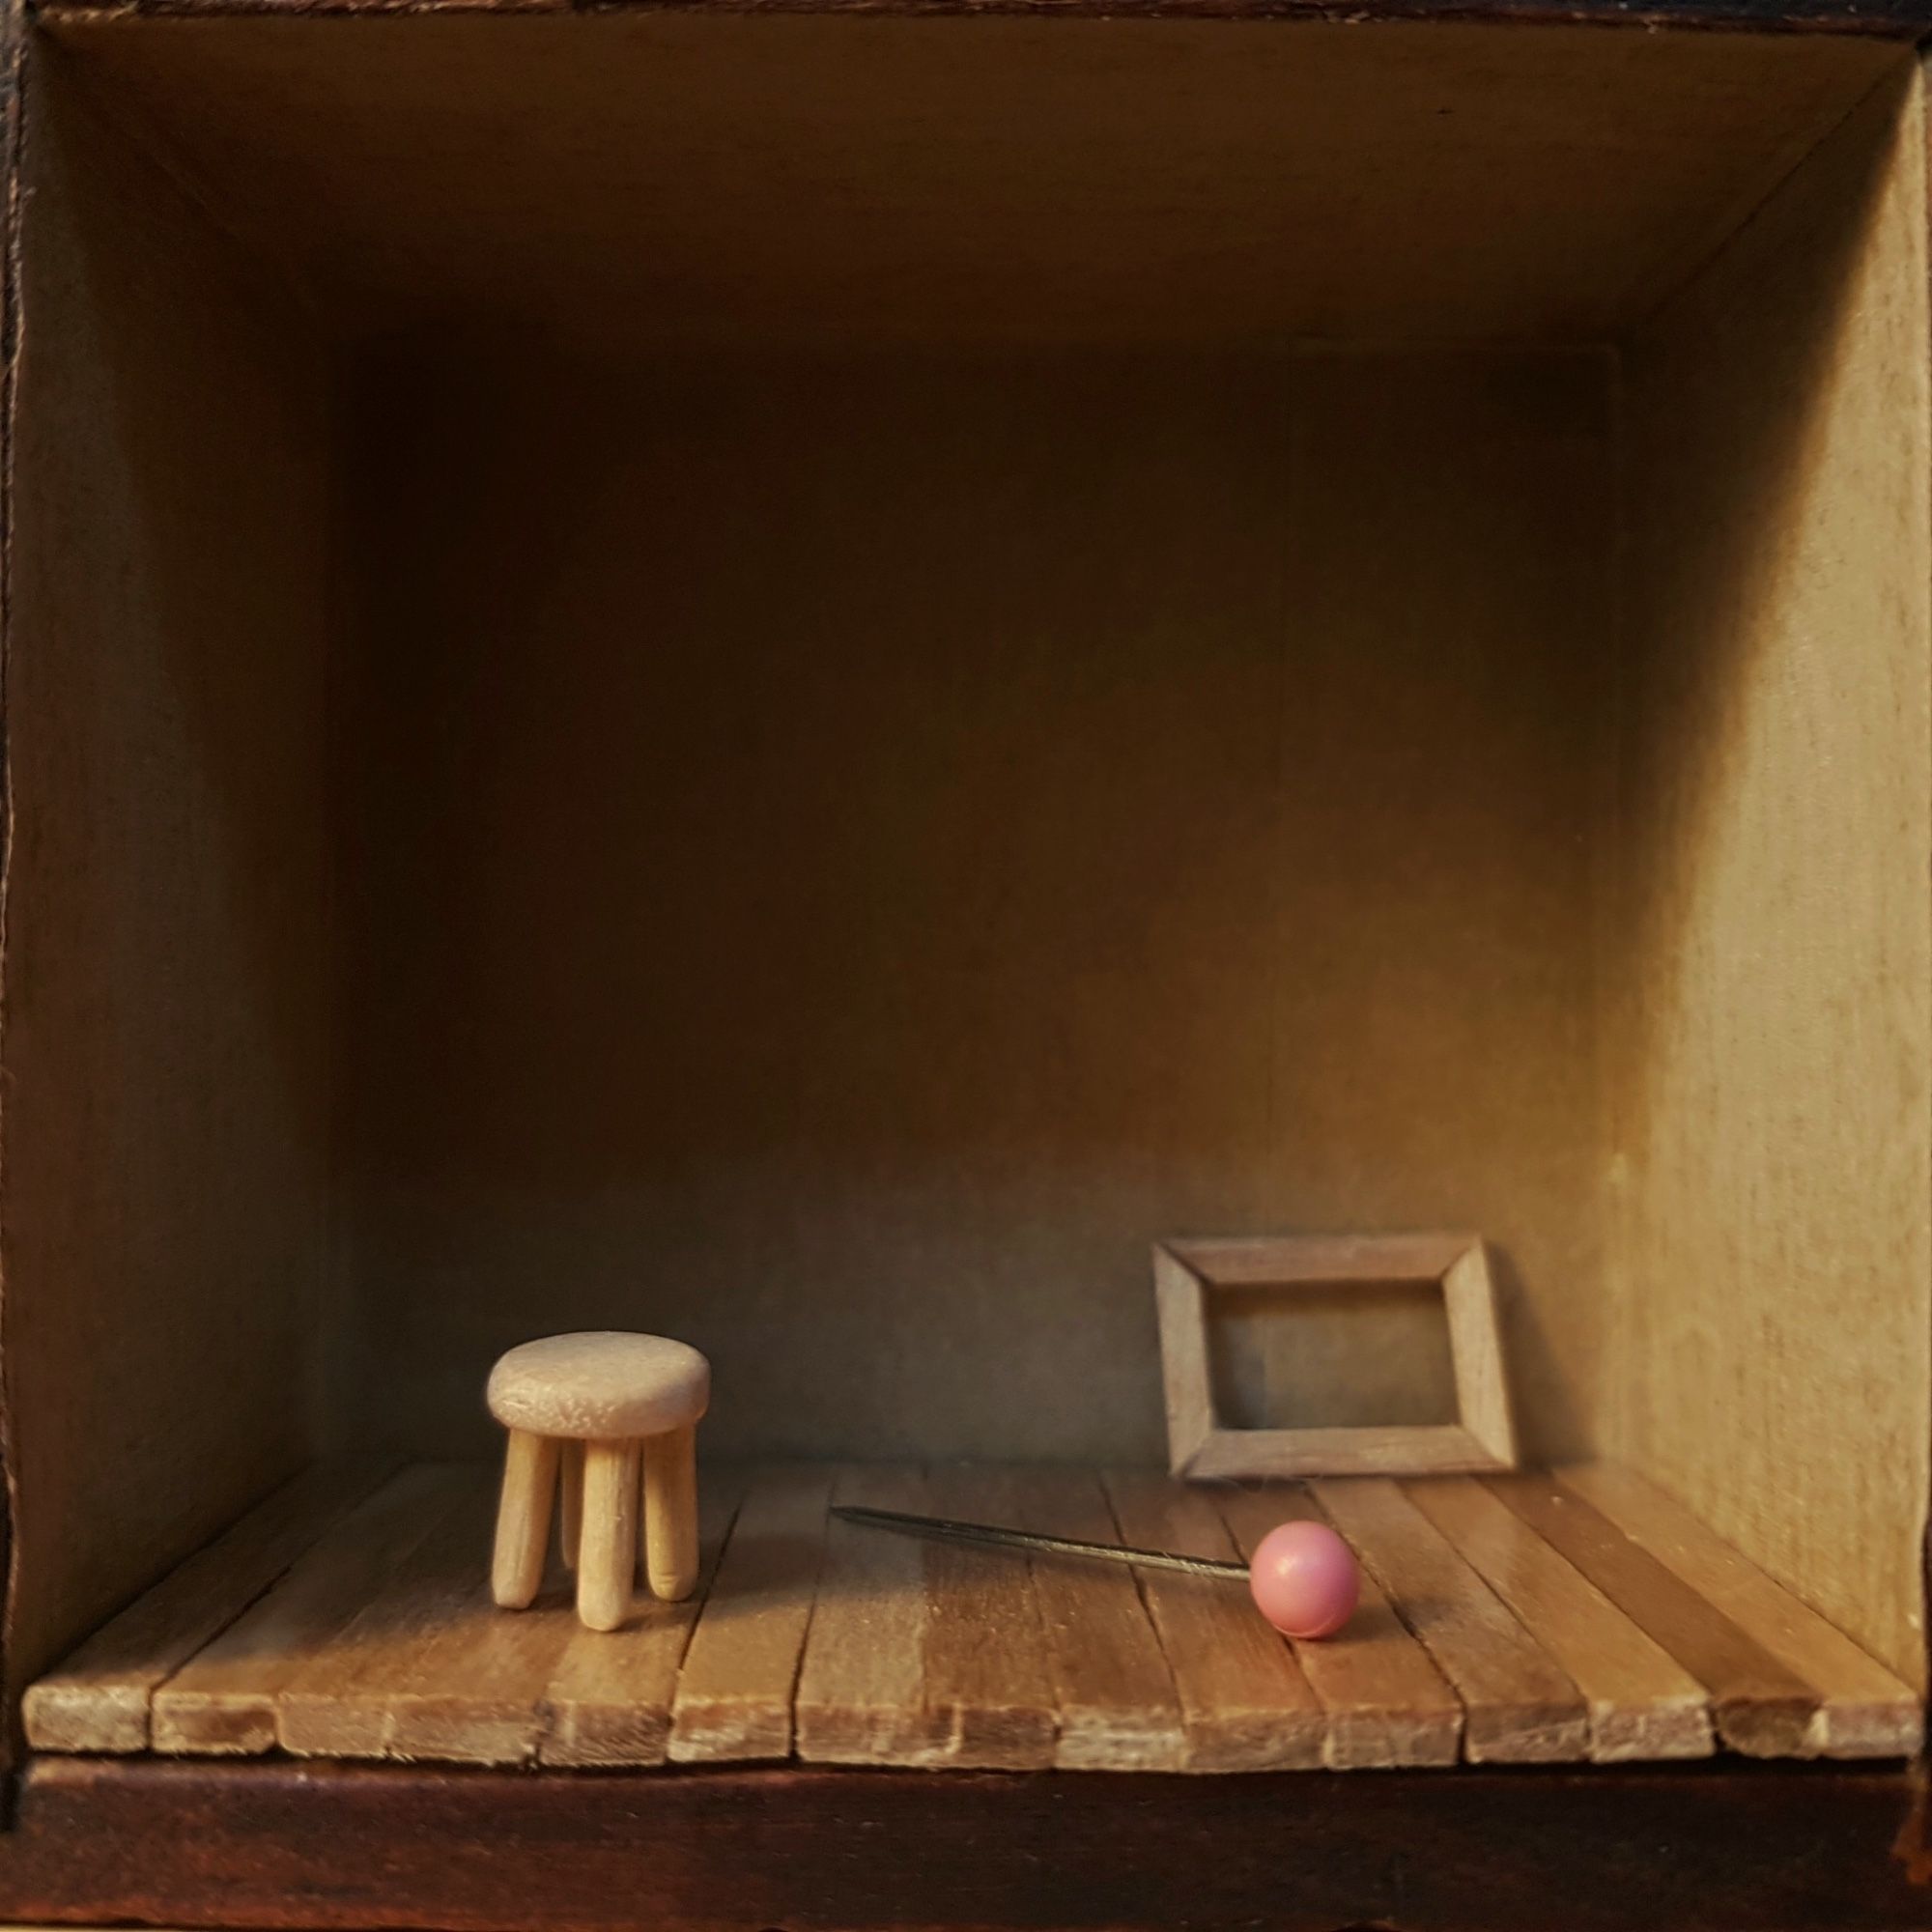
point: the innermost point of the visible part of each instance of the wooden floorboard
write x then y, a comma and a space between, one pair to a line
430, 1669
986, 1672
1520, 1705
611, 1693
1117, 1707
1520, 1619
1387, 1705
1862, 1711
1245, 1703
101, 1698
1759, 1706
861, 1681
223, 1700
733, 1700
1642, 1703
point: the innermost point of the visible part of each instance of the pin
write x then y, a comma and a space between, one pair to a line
1304, 1578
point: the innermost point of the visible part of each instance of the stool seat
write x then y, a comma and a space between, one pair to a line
600, 1386
606, 1424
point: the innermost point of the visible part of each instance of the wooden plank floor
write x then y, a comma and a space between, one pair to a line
1581, 1616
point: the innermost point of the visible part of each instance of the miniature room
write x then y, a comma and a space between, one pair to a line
804, 684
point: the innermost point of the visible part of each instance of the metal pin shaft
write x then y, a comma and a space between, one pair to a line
944, 1529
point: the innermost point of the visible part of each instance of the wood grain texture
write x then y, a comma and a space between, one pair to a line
163, 1226
429, 1667
1759, 1706
609, 1541
1114, 1691
1181, 1293
1284, 1261
223, 1699
1867, 1711
1386, 1702
1245, 1704
1234, 1455
1520, 1705
988, 1676
1616, 1850
569, 1501
611, 1693
734, 1689
1768, 940
670, 1513
527, 1502
922, 1653
861, 1694
1475, 1341
378, 1638
100, 1698
1190, 1279
1642, 1703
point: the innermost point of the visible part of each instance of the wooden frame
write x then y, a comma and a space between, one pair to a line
1201, 1446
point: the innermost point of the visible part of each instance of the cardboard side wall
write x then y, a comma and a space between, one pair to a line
164, 1096
1770, 941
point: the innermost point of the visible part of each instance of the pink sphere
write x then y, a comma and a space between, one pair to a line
1305, 1579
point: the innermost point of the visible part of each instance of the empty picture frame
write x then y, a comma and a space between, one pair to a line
1200, 1446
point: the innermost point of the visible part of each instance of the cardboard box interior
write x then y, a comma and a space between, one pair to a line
796, 681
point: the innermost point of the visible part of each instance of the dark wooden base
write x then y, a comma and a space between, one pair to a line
1890, 19
285, 1845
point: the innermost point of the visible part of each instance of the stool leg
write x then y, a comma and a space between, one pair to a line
570, 1517
522, 1520
670, 1513
607, 1558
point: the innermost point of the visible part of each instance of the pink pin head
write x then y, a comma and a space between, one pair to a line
1305, 1579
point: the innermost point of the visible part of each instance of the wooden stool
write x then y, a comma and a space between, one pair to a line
585, 1406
